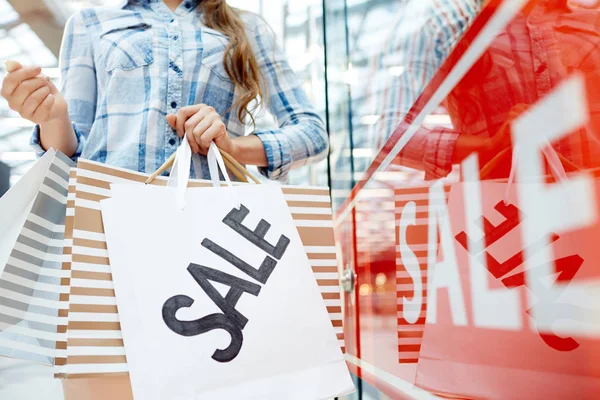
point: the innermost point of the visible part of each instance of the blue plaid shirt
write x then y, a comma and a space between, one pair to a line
125, 68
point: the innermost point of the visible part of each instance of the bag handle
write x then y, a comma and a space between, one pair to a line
180, 173
237, 169
555, 160
181, 161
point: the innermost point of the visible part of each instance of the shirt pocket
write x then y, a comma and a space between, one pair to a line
126, 44
215, 43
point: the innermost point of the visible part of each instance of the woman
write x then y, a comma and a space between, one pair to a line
136, 78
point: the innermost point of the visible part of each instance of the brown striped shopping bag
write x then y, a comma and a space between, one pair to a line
94, 341
412, 218
63, 311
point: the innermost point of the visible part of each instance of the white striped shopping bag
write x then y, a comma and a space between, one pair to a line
32, 226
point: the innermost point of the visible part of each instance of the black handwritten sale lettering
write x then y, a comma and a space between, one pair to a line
257, 237
261, 274
567, 267
203, 325
230, 320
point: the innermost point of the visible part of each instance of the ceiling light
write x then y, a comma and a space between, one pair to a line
396, 70
440, 119
362, 153
369, 119
350, 76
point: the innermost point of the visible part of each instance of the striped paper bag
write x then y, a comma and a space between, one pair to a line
95, 346
412, 224
63, 312
32, 225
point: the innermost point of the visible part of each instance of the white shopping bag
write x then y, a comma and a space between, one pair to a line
216, 296
32, 227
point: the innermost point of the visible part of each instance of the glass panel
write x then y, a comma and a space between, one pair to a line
477, 215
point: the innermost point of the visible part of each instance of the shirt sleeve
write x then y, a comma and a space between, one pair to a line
422, 51
405, 66
301, 137
78, 85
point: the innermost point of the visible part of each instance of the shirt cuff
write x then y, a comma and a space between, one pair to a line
437, 159
279, 155
36, 143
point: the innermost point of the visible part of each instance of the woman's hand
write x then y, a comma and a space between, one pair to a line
32, 94
201, 124
488, 147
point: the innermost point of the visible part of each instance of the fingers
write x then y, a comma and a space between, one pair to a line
195, 147
214, 132
33, 102
25, 90
183, 115
197, 130
53, 89
12, 66
200, 123
14, 79
172, 121
193, 122
42, 113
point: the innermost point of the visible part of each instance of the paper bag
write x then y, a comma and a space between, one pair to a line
63, 312
261, 329
32, 224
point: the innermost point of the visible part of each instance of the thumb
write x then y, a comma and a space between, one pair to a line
53, 90
12, 66
172, 120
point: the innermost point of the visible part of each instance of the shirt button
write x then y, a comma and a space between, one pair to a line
188, 5
174, 104
172, 141
175, 37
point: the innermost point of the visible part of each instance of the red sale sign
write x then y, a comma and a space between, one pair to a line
510, 290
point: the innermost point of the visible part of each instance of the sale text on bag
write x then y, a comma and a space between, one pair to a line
230, 320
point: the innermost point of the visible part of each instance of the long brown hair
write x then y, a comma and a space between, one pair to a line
239, 59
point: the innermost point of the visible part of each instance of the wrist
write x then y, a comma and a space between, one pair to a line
249, 150
234, 148
60, 113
